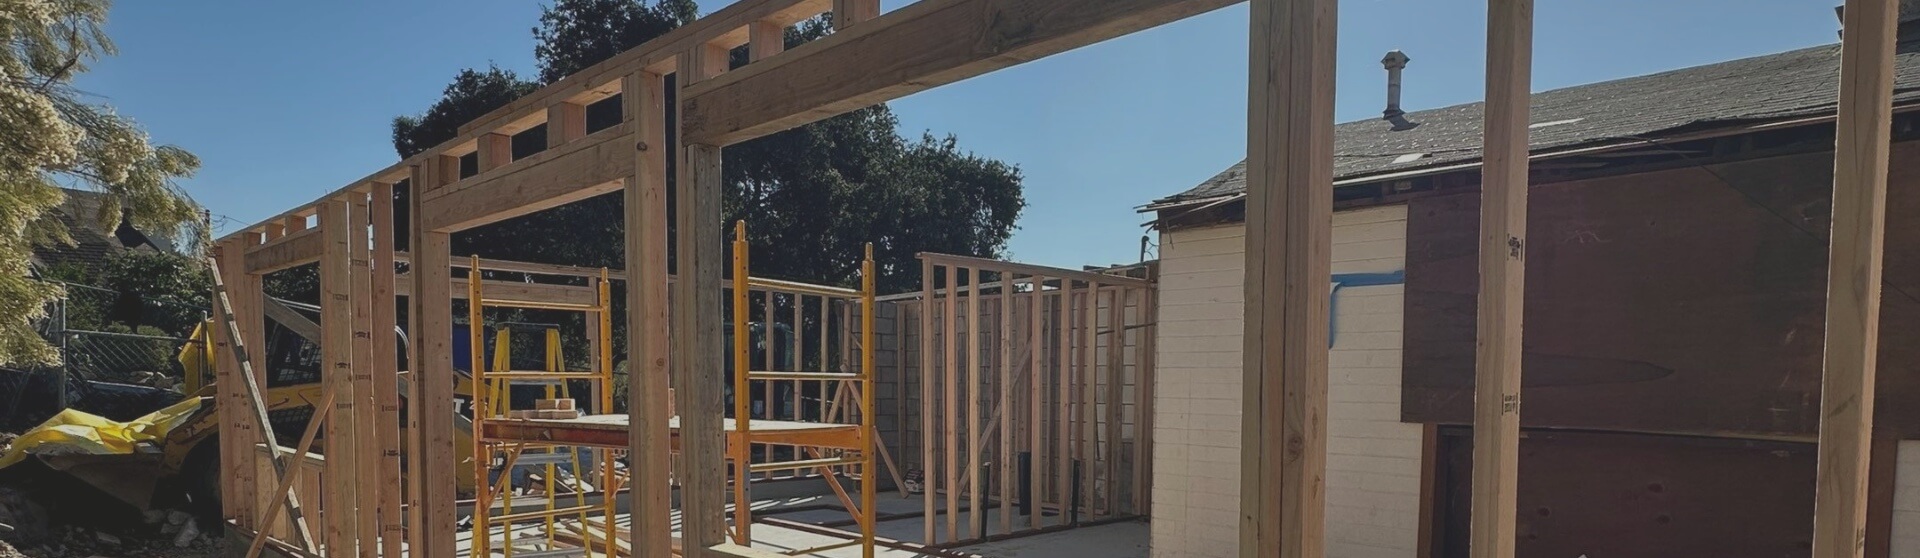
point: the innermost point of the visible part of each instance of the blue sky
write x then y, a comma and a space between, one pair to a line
285, 101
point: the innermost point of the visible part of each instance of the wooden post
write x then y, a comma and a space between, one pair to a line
365, 422
951, 341
336, 349
1853, 277
976, 360
927, 403
431, 361
496, 150
766, 38
568, 122
698, 321
1005, 381
1037, 389
647, 386
386, 378
236, 447
1289, 247
1116, 376
1064, 397
849, 12
1503, 237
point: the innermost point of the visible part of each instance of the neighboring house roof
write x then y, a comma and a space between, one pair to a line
93, 240
1790, 84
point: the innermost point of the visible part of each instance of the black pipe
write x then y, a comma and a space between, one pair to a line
1073, 507
1026, 483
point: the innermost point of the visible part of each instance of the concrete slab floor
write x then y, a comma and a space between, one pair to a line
1116, 540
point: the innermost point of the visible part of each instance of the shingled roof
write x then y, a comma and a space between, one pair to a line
1790, 84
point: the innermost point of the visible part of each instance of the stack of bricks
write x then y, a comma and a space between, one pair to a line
548, 409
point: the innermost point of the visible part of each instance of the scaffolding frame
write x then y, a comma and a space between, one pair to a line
494, 385
740, 450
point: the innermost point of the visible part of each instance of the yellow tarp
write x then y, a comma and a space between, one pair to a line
75, 433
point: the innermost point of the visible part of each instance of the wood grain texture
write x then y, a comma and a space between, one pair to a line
366, 451
1503, 250
294, 249
920, 46
698, 320
846, 13
1289, 257
576, 171
566, 122
342, 531
649, 392
1854, 269
431, 364
929, 405
386, 372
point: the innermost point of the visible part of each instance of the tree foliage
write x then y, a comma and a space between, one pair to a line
574, 34
50, 136
473, 93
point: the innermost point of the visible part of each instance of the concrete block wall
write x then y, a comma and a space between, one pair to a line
1373, 461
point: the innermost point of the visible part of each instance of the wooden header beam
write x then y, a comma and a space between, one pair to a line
293, 250
918, 47
1853, 277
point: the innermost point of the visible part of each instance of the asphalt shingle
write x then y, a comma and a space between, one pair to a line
1785, 85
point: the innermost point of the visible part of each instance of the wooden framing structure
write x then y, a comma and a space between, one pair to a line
871, 58
1035, 391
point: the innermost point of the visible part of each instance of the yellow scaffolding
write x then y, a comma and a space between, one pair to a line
816, 458
496, 383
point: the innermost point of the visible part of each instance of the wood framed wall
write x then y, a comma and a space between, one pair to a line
871, 58
1022, 368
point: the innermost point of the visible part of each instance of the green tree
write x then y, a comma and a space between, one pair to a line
166, 291
574, 34
50, 136
473, 93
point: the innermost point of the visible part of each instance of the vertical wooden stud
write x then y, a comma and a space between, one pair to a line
976, 326
1007, 397
1115, 377
568, 121
385, 368
1289, 246
496, 150
1503, 234
765, 38
342, 533
431, 363
849, 12
648, 389
698, 322
1036, 382
952, 342
928, 405
366, 443
1854, 262
1063, 399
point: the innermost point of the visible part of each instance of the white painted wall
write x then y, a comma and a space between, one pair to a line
1373, 461
1906, 502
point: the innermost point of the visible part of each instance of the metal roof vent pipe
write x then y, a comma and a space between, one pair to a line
1394, 62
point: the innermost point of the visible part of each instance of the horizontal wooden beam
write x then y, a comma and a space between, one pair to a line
292, 250
515, 290
577, 171
529, 267
923, 45
726, 28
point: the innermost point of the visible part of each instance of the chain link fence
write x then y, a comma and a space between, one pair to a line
118, 358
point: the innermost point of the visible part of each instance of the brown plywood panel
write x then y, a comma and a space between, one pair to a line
1686, 300
1602, 495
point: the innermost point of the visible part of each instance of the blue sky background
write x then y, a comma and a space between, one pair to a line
285, 101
